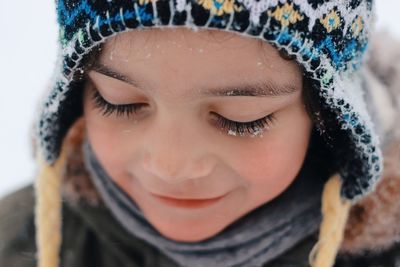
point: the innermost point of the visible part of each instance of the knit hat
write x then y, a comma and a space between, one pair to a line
328, 38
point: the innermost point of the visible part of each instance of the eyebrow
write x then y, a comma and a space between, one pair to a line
264, 89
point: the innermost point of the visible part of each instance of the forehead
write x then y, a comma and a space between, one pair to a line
139, 40
180, 59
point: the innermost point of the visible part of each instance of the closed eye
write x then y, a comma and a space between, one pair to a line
235, 128
108, 109
230, 127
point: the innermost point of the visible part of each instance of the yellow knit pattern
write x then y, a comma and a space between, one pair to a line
335, 211
48, 212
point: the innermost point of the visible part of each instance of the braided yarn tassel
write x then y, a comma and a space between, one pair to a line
48, 211
335, 211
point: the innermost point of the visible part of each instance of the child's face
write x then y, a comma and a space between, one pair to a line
176, 142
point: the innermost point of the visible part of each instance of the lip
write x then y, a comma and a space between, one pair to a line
187, 203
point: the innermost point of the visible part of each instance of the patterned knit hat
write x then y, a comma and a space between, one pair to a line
328, 38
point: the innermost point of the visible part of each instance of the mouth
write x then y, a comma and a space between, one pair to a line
187, 203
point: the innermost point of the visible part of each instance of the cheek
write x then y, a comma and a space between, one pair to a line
107, 140
272, 162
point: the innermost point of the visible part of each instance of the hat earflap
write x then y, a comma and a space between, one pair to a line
335, 211
48, 211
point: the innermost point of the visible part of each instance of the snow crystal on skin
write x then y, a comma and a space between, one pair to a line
112, 55
230, 132
259, 132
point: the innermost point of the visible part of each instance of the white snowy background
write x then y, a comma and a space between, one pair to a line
27, 56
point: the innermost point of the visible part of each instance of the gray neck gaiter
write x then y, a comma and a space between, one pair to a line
253, 240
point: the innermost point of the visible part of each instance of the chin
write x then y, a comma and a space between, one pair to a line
189, 231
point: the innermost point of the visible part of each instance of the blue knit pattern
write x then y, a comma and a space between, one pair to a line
327, 37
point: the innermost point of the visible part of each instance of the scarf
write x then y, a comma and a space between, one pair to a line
253, 240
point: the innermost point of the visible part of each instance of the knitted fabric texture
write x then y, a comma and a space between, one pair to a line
327, 37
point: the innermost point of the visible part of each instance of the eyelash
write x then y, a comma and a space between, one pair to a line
253, 128
108, 109
231, 127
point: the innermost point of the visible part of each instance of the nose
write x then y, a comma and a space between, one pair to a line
175, 154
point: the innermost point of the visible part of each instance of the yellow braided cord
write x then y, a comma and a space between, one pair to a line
48, 212
335, 211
